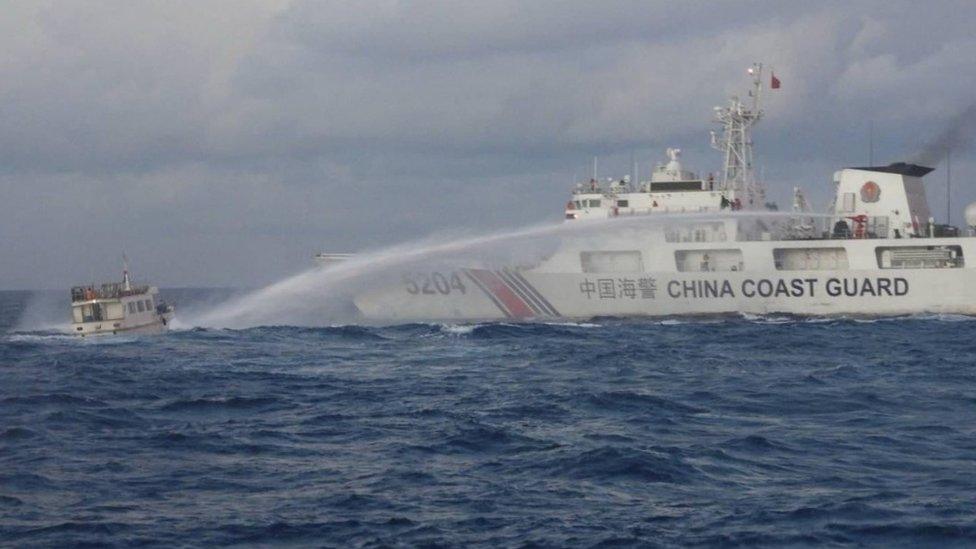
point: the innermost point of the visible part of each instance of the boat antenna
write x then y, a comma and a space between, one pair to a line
633, 166
596, 161
948, 189
871, 142
126, 285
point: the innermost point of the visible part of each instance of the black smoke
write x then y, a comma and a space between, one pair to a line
956, 136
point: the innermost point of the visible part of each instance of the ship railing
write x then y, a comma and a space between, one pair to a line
788, 226
807, 227
105, 291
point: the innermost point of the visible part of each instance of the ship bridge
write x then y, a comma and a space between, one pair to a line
885, 201
671, 189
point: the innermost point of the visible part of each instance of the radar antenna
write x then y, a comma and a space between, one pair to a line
737, 120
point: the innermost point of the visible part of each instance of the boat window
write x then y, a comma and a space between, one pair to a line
114, 311
623, 203
919, 257
810, 259
141, 306
594, 203
708, 260
848, 202
148, 305
132, 308
76, 314
91, 312
699, 232
611, 262
676, 186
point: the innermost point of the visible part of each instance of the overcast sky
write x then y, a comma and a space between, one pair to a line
224, 143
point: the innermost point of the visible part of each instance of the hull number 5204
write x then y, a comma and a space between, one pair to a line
433, 283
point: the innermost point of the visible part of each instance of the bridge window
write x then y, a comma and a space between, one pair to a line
612, 262
810, 259
132, 308
919, 257
699, 232
114, 311
848, 202
708, 260
141, 306
623, 203
91, 312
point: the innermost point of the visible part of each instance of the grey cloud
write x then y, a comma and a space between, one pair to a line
235, 139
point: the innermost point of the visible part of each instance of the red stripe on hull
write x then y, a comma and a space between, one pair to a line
515, 305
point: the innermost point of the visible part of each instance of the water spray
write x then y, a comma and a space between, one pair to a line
322, 296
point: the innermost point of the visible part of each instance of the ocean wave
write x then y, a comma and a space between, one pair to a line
53, 399
671, 431
610, 463
632, 401
457, 329
481, 438
218, 404
39, 337
12, 434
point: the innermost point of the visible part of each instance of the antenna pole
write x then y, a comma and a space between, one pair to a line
756, 86
125, 273
595, 161
871, 143
948, 190
633, 167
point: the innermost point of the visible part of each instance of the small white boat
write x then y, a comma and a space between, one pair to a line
118, 307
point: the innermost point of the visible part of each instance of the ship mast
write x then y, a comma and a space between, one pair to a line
126, 285
738, 177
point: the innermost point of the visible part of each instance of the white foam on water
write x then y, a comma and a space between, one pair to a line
38, 338
939, 317
575, 324
944, 317
823, 319
70, 339
458, 329
177, 325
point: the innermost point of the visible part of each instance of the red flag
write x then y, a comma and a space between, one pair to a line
775, 82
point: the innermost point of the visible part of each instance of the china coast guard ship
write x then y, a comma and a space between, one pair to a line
877, 250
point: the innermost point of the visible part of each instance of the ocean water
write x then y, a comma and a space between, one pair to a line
723, 431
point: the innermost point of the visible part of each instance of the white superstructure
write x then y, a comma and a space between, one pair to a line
716, 249
118, 307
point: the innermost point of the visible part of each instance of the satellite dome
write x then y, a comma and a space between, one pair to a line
971, 215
